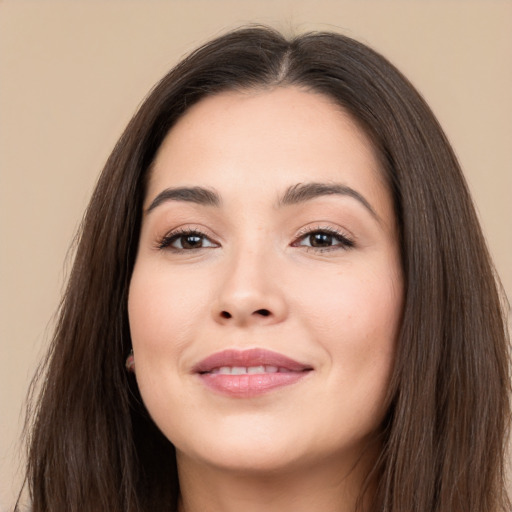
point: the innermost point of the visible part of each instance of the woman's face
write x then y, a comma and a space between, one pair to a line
267, 291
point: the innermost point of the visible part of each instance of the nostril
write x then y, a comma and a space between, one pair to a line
263, 312
225, 314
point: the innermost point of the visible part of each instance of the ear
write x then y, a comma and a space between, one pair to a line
130, 362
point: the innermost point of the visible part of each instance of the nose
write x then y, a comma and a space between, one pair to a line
250, 292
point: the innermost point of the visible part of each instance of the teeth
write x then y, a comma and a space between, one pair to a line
243, 370
256, 369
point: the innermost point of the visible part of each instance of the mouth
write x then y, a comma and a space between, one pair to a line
248, 373
247, 370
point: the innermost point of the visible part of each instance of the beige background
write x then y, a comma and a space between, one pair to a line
72, 73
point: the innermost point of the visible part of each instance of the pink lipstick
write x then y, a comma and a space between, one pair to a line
248, 373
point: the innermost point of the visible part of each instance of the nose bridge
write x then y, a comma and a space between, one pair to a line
248, 289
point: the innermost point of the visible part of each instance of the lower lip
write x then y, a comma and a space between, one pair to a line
250, 385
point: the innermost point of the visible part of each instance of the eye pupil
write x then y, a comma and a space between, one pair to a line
320, 240
191, 241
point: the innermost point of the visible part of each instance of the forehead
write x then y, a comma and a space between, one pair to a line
266, 140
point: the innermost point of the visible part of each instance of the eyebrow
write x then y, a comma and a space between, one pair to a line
197, 195
303, 192
296, 194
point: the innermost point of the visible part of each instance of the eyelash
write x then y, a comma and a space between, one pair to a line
166, 241
345, 242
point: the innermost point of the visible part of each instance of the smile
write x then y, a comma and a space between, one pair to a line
249, 373
242, 370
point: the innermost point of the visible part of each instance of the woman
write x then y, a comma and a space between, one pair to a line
283, 253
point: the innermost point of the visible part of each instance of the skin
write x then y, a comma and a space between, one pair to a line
336, 307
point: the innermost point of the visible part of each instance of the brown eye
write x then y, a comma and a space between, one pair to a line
186, 241
320, 240
324, 239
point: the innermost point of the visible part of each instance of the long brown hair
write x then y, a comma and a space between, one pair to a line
93, 446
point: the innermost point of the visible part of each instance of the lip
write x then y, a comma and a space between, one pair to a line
252, 384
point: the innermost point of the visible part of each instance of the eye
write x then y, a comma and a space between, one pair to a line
186, 240
324, 239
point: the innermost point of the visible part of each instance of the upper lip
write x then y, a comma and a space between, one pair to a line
248, 358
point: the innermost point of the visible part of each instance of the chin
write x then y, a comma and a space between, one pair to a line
264, 449
244, 446
247, 460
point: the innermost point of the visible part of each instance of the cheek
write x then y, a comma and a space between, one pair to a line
164, 310
365, 304
355, 316
161, 309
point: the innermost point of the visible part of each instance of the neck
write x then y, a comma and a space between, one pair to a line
329, 487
